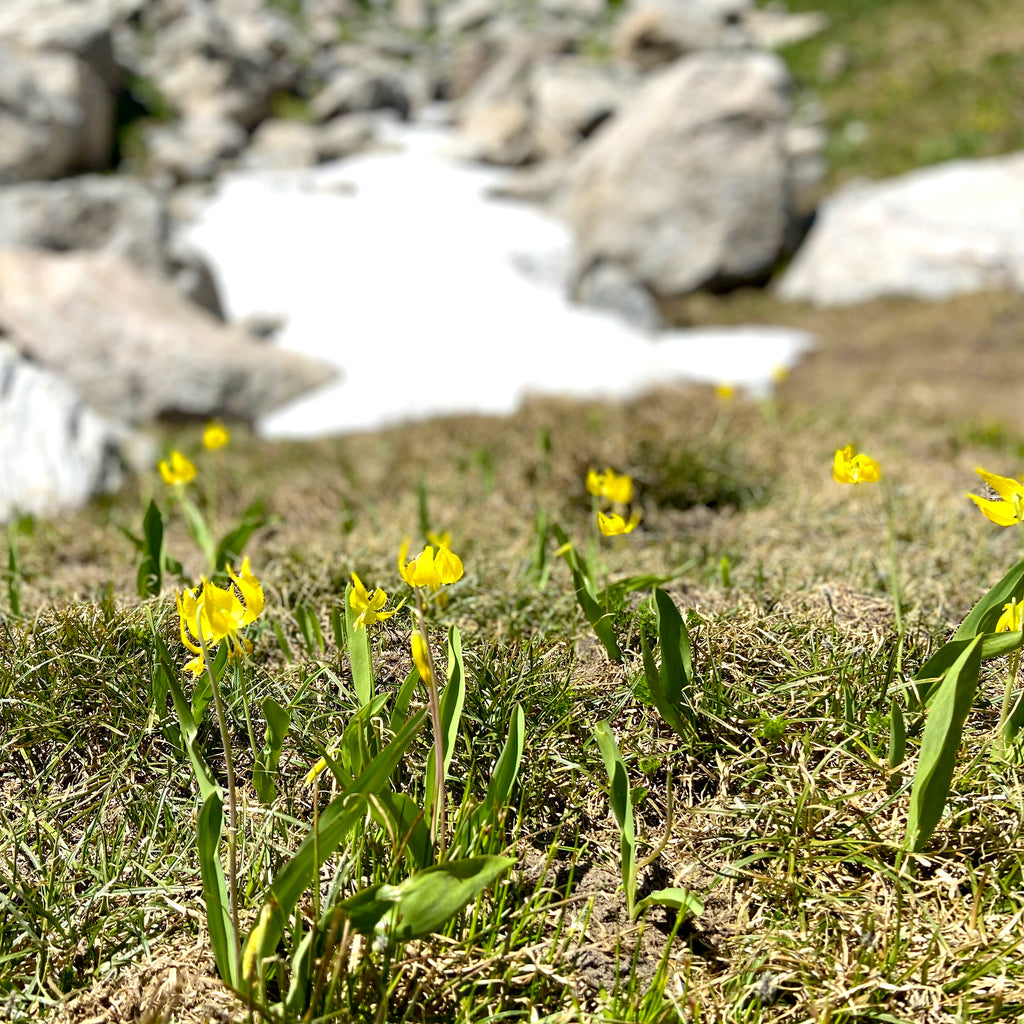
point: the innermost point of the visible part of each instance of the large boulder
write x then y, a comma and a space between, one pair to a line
687, 186
932, 233
134, 348
56, 115
56, 452
116, 214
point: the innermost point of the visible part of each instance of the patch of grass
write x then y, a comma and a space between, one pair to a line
913, 82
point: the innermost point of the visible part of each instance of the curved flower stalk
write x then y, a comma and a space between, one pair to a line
1008, 509
427, 573
207, 615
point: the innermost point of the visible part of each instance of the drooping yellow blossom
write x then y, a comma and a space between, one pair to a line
370, 607
209, 614
177, 469
420, 656
1009, 508
613, 525
848, 468
215, 435
1010, 620
428, 569
725, 392
611, 485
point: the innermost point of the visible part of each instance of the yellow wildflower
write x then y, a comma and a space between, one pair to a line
428, 569
848, 468
612, 525
1010, 620
611, 485
215, 435
177, 469
725, 392
209, 614
1009, 509
370, 607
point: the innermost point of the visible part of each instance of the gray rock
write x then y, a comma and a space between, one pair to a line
195, 148
56, 116
932, 233
368, 85
655, 32
56, 452
772, 29
120, 215
687, 186
280, 143
134, 348
345, 136
608, 287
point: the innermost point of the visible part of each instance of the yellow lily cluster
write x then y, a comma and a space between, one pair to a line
209, 614
1008, 509
618, 489
848, 468
430, 568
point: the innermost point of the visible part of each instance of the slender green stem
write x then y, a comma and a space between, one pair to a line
1011, 679
218, 703
437, 820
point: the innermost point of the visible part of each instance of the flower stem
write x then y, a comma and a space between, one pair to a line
218, 703
1004, 712
437, 820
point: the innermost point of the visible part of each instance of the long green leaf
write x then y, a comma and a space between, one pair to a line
940, 744
622, 806
335, 823
586, 596
152, 564
669, 683
215, 890
983, 616
232, 544
678, 899
930, 674
359, 659
278, 721
423, 902
452, 701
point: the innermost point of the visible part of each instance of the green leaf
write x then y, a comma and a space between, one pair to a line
583, 581
897, 736
452, 701
199, 531
496, 800
232, 544
622, 807
340, 816
359, 658
151, 566
669, 682
982, 618
400, 712
678, 899
215, 890
187, 723
940, 744
278, 722
929, 675
403, 820
422, 903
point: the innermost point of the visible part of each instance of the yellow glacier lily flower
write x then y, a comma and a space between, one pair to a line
420, 657
177, 469
208, 614
370, 608
611, 485
1010, 620
848, 468
215, 435
613, 525
428, 569
1009, 508
725, 392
